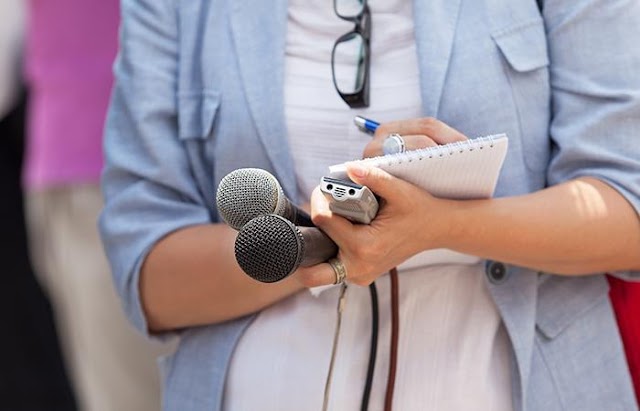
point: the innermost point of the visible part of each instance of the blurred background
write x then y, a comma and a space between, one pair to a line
66, 344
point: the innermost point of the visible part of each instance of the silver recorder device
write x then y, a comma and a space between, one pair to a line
350, 200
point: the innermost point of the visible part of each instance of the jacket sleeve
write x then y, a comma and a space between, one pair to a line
595, 78
147, 183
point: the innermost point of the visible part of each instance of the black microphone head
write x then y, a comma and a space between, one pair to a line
247, 193
269, 248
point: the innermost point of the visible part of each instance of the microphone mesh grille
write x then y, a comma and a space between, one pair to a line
269, 248
246, 193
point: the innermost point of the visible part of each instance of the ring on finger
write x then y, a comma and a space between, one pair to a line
394, 143
339, 270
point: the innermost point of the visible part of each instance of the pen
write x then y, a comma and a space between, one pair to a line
366, 125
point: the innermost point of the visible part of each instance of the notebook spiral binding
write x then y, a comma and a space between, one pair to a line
472, 149
438, 151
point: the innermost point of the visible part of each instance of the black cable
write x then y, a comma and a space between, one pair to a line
395, 332
374, 347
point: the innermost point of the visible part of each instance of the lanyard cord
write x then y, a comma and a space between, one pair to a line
393, 355
327, 384
373, 351
395, 332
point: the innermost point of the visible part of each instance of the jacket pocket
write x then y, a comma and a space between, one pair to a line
523, 45
526, 59
196, 114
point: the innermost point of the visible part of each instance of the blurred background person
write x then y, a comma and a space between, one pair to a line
71, 45
32, 375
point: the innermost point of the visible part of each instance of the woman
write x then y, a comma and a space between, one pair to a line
208, 87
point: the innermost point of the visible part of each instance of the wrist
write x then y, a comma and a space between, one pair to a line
456, 224
446, 227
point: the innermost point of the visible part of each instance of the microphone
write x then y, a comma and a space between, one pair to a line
269, 248
247, 193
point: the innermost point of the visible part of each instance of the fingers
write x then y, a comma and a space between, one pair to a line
434, 129
366, 251
323, 274
411, 141
378, 180
316, 276
336, 227
417, 133
414, 142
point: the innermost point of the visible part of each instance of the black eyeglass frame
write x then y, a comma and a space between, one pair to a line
362, 21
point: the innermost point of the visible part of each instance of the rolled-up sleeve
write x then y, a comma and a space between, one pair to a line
147, 183
594, 48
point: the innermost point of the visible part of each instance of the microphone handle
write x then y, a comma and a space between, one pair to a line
296, 215
318, 247
301, 218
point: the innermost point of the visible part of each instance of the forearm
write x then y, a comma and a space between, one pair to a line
580, 227
191, 278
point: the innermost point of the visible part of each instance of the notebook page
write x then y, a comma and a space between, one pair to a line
463, 170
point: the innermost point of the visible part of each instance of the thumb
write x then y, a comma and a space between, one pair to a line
379, 181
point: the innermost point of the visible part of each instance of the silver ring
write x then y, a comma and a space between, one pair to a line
339, 270
394, 143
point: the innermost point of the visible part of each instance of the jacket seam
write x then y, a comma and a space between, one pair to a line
552, 376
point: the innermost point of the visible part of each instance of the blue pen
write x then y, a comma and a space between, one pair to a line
366, 125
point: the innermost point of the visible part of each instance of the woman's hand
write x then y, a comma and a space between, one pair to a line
416, 133
409, 220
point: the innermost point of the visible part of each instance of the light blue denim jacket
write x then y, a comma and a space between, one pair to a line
199, 93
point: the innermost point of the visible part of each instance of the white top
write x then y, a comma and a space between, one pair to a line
453, 350
11, 36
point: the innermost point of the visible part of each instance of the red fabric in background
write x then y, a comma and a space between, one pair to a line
625, 298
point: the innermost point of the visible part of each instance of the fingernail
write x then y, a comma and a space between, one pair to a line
357, 170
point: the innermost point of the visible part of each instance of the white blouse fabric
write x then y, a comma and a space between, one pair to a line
453, 350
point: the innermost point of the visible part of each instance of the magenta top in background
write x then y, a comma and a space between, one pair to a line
71, 45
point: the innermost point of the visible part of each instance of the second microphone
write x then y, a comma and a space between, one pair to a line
269, 248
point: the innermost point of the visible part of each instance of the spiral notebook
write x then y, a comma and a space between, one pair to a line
461, 170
